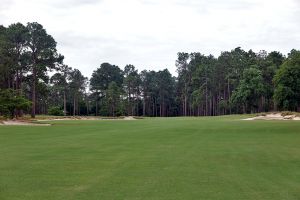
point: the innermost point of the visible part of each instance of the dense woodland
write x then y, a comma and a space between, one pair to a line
34, 79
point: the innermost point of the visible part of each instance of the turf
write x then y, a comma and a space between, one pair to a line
156, 158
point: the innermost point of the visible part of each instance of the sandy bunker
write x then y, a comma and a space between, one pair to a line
21, 123
274, 116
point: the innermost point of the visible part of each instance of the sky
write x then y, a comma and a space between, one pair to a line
150, 33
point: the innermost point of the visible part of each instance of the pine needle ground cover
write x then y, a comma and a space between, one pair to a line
153, 158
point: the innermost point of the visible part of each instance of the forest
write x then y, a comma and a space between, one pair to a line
35, 80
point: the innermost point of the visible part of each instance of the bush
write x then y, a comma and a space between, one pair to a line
56, 111
11, 101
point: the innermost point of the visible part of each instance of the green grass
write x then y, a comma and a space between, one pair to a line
168, 158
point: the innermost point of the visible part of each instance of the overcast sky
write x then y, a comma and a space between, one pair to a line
149, 33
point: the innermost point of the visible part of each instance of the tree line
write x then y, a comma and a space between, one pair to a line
34, 79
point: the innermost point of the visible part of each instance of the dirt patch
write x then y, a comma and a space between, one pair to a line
275, 116
21, 123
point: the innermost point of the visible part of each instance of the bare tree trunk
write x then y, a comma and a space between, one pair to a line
185, 105
144, 106
224, 98
18, 88
87, 106
132, 108
78, 109
96, 107
206, 100
160, 110
65, 103
74, 106
210, 104
182, 108
228, 88
33, 92
153, 108
263, 107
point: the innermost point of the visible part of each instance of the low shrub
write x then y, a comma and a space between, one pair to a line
56, 111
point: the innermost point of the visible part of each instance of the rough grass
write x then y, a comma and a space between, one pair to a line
166, 158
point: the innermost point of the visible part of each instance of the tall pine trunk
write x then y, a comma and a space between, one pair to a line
33, 92
144, 106
185, 105
97, 107
65, 104
228, 89
206, 99
74, 106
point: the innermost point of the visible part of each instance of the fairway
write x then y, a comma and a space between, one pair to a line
154, 158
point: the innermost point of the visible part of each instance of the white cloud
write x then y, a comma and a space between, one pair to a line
149, 33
